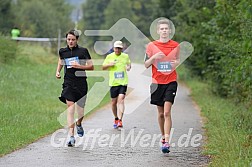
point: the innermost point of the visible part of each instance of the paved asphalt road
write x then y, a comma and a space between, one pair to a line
137, 144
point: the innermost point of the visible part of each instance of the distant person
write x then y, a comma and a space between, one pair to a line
75, 60
117, 63
163, 56
15, 32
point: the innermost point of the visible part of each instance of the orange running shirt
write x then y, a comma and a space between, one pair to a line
162, 71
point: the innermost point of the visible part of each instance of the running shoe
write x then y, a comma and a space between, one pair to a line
80, 130
71, 142
165, 148
120, 124
115, 124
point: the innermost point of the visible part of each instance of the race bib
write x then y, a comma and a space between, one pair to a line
164, 66
119, 75
71, 60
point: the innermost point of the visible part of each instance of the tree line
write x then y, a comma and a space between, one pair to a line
219, 30
35, 18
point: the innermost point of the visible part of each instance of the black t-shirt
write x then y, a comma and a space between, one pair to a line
68, 55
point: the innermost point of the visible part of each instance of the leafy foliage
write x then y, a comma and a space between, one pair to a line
93, 17
220, 32
103, 14
233, 39
36, 18
6, 19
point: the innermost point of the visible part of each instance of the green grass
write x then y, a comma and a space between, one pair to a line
29, 104
228, 125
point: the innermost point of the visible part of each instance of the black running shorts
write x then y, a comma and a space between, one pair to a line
160, 93
116, 90
75, 92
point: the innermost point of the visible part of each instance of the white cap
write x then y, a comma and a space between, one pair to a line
118, 44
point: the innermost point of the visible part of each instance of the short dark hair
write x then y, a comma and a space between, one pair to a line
163, 21
74, 33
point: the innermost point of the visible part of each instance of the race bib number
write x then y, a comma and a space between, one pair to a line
71, 60
164, 66
119, 75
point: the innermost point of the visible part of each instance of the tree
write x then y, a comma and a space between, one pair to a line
43, 19
6, 19
105, 13
233, 52
93, 17
145, 13
190, 19
167, 8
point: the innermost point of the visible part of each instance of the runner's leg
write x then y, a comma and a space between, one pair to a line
161, 119
167, 120
70, 117
121, 105
114, 106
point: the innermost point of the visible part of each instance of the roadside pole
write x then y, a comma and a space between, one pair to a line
59, 41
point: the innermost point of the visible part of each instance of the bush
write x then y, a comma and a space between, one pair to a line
8, 49
232, 69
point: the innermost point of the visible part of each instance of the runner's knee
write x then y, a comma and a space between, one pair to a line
167, 114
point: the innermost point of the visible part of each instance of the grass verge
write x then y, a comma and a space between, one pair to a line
29, 104
228, 125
